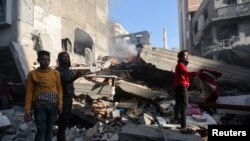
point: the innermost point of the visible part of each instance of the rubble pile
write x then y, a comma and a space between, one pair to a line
128, 101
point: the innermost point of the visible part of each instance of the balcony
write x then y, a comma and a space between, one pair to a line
221, 45
238, 10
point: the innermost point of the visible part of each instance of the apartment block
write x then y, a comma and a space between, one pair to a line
221, 31
186, 10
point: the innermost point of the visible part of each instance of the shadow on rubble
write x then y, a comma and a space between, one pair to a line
16, 97
152, 77
76, 121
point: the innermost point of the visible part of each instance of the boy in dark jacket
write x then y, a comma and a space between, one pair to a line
67, 79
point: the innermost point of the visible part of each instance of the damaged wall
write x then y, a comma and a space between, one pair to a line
220, 31
43, 24
7, 31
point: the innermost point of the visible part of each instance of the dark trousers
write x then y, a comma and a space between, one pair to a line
45, 116
181, 101
64, 117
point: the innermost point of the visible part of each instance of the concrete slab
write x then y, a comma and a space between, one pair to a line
138, 90
209, 121
150, 133
166, 60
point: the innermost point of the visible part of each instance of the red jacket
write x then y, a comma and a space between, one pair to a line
182, 75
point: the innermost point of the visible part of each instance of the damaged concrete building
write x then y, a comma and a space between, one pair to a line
186, 10
117, 29
78, 27
128, 46
219, 30
124, 100
142, 37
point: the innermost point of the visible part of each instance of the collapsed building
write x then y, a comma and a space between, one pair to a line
132, 100
129, 44
126, 99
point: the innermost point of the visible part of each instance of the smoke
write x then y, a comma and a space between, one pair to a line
123, 49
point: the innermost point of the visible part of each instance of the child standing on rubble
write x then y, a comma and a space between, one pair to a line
67, 79
181, 83
44, 93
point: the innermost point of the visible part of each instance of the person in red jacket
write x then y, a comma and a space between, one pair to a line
181, 83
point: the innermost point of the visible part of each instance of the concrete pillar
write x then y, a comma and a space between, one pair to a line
215, 56
214, 35
215, 41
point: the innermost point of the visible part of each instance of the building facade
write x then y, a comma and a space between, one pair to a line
136, 38
216, 29
221, 31
186, 10
127, 45
28, 26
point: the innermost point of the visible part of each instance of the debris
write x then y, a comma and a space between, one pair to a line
167, 107
131, 103
4, 121
209, 121
145, 133
114, 101
110, 137
138, 90
199, 118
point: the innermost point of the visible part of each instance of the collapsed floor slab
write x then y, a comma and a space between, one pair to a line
150, 133
166, 60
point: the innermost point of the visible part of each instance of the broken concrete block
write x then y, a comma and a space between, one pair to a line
94, 90
134, 114
138, 90
110, 137
9, 138
109, 112
167, 107
199, 118
100, 127
26, 131
4, 121
116, 113
148, 119
151, 133
23, 126
73, 134
132, 103
162, 121
209, 121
